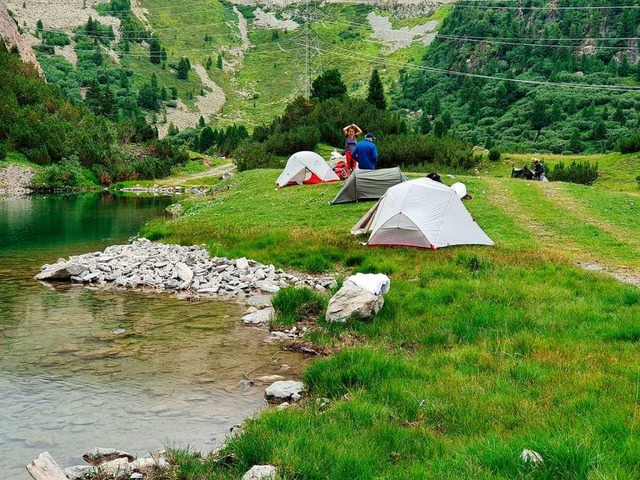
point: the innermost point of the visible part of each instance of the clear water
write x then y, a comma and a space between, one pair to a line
71, 380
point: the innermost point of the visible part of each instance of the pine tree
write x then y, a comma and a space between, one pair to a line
108, 106
425, 124
539, 116
219, 62
207, 139
328, 85
624, 69
183, 68
599, 131
201, 122
619, 115
155, 51
575, 142
375, 94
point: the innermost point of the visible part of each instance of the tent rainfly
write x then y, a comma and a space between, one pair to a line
368, 184
421, 213
306, 168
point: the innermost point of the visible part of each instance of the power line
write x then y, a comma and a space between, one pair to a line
545, 8
522, 44
375, 59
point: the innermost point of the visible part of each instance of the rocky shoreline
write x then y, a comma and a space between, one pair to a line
15, 180
152, 266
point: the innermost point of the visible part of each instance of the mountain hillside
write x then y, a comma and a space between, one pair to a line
532, 75
244, 62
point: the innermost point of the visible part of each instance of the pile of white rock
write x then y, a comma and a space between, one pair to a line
144, 264
106, 463
15, 180
164, 190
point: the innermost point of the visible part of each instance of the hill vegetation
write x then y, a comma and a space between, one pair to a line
532, 77
49, 130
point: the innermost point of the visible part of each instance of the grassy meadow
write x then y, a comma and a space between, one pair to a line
478, 353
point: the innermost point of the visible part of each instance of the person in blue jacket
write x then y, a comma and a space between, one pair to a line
366, 153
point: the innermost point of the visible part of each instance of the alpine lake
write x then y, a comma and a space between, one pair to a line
84, 367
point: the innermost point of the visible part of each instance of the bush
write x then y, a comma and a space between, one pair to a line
250, 155
630, 143
3, 151
494, 154
66, 174
292, 305
583, 173
418, 149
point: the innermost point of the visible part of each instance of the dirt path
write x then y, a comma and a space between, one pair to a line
212, 172
586, 259
206, 106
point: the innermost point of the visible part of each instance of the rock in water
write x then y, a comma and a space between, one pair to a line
261, 316
61, 271
284, 391
260, 472
99, 455
353, 302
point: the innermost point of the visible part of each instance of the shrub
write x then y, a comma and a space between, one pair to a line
250, 155
577, 172
494, 154
419, 149
292, 305
630, 143
66, 174
3, 151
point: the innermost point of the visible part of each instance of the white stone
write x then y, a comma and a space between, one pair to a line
283, 391
118, 468
184, 272
100, 455
62, 271
242, 263
80, 472
259, 317
260, 472
353, 302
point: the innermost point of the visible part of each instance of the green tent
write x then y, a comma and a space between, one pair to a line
368, 184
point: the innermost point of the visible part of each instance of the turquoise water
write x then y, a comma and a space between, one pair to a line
69, 382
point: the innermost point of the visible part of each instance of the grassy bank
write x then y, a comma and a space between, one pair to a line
478, 352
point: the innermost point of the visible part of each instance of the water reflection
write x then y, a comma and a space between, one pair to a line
82, 367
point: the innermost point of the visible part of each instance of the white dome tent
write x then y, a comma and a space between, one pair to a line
421, 213
306, 168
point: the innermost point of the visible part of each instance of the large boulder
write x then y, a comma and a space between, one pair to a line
353, 302
61, 271
284, 391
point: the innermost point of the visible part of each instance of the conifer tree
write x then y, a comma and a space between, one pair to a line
155, 51
375, 94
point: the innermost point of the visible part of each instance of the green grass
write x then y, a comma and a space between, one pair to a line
478, 352
616, 171
293, 305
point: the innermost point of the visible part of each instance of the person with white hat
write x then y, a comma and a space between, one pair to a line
538, 170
